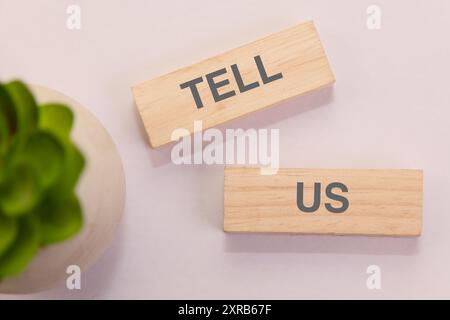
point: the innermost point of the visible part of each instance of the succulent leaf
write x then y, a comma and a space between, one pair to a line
73, 166
60, 218
45, 155
7, 109
25, 107
20, 192
4, 134
19, 254
8, 231
57, 119
8, 120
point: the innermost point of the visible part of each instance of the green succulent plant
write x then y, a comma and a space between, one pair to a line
39, 170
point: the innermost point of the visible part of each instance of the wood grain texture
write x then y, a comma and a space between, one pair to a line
381, 202
297, 53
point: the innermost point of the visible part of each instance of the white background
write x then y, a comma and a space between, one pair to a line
390, 108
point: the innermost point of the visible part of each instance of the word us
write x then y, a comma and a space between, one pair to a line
324, 201
329, 191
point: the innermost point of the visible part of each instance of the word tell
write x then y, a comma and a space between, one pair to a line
234, 84
214, 86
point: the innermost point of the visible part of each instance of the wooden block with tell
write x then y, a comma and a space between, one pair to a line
324, 201
241, 81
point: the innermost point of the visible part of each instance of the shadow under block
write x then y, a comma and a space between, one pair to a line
351, 202
241, 81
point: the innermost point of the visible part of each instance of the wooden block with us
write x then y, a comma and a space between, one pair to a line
236, 83
324, 201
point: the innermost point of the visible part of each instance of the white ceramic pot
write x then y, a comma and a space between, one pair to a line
101, 189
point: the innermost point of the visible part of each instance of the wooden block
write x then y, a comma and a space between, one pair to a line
252, 77
350, 202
